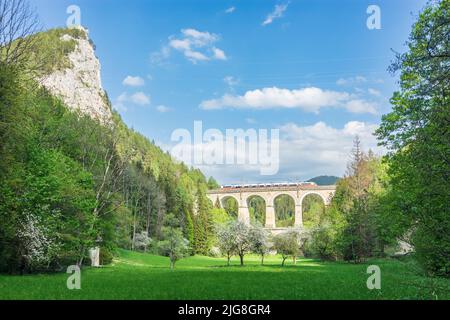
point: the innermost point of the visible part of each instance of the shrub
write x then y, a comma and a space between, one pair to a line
142, 241
106, 256
322, 244
215, 252
288, 244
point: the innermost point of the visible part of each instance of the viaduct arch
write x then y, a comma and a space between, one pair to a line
296, 191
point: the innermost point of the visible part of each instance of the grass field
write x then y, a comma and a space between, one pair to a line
143, 276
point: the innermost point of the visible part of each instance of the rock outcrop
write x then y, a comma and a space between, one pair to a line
80, 86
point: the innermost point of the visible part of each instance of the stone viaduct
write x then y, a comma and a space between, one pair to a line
269, 193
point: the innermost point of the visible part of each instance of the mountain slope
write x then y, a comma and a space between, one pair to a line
78, 82
74, 176
324, 180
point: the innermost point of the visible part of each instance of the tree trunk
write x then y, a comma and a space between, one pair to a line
81, 256
241, 256
134, 223
262, 259
80, 262
282, 263
228, 260
134, 232
149, 211
294, 260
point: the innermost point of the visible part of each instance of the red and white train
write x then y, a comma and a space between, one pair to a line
268, 185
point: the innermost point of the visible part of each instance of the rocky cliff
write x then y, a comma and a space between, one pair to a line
79, 85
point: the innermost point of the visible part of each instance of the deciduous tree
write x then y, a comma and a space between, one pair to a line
173, 244
416, 133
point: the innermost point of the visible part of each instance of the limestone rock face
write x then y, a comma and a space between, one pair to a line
80, 86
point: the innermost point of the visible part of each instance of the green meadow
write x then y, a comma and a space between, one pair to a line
144, 276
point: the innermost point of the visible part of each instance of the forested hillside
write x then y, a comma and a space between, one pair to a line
324, 180
70, 182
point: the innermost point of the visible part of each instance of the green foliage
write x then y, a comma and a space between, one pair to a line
47, 196
220, 216
231, 207
288, 244
322, 243
212, 184
359, 223
86, 184
313, 210
284, 211
164, 186
50, 51
60, 192
417, 134
173, 244
106, 256
204, 228
189, 231
257, 210
357, 198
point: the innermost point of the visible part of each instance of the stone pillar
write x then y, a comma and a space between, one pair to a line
94, 254
298, 222
270, 216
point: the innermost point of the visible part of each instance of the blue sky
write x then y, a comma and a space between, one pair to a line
309, 68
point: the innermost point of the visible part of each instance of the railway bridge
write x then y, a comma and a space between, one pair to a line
269, 192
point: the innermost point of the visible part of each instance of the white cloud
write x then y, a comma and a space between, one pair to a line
305, 152
351, 81
230, 10
231, 81
199, 38
361, 106
133, 81
163, 109
180, 44
123, 97
159, 57
219, 54
374, 92
140, 98
119, 104
276, 14
193, 44
321, 149
310, 99
195, 56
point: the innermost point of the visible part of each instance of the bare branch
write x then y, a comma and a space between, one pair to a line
18, 22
